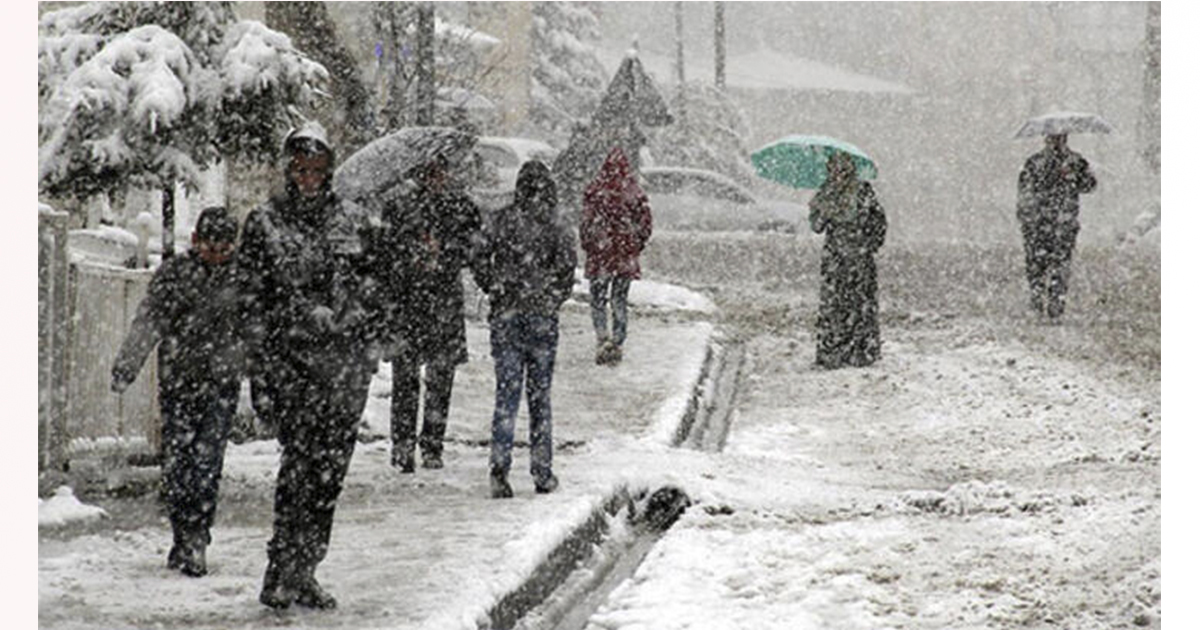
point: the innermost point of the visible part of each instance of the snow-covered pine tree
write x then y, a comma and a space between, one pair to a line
712, 137
145, 94
313, 31
568, 78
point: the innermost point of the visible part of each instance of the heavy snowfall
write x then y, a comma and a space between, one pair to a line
804, 425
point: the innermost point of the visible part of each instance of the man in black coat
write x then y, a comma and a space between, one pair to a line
305, 256
1048, 209
191, 312
429, 234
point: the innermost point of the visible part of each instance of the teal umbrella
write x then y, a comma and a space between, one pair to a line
799, 161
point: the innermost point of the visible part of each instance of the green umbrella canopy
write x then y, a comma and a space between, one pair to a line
799, 161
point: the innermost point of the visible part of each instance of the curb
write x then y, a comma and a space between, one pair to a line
580, 544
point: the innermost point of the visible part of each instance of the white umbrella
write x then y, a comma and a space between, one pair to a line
1063, 122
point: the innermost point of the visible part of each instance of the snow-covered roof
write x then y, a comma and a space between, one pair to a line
764, 69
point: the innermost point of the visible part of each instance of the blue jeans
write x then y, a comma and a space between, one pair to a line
600, 288
523, 349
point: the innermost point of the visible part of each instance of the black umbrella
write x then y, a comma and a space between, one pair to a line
385, 162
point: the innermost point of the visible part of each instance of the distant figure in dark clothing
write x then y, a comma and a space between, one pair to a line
528, 270
846, 210
614, 229
1048, 209
305, 258
429, 234
191, 312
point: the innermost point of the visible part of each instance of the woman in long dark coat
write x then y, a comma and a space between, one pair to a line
846, 210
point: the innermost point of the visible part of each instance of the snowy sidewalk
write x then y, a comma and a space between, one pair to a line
429, 550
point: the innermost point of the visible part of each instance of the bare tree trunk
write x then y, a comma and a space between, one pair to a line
679, 58
1152, 89
719, 44
168, 221
391, 22
426, 81
312, 32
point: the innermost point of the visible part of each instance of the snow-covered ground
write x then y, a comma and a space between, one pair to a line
428, 550
989, 472
956, 484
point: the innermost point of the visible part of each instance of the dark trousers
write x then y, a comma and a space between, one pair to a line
318, 418
1048, 249
606, 289
523, 349
196, 417
406, 398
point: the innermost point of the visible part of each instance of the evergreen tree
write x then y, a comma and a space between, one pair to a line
712, 137
314, 33
568, 78
146, 94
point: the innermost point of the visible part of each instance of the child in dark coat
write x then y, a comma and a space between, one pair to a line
191, 313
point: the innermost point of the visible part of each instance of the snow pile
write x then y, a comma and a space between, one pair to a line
974, 496
655, 295
63, 508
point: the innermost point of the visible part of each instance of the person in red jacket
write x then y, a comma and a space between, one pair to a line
615, 226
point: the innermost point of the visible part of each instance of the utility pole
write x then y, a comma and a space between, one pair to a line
719, 43
426, 85
679, 58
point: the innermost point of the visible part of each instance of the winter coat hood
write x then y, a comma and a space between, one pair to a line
309, 137
616, 178
536, 194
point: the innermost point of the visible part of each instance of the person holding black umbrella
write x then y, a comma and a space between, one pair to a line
430, 232
1048, 190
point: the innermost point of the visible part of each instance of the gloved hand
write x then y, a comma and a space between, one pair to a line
121, 381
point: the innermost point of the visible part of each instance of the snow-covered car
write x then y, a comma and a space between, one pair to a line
696, 199
498, 159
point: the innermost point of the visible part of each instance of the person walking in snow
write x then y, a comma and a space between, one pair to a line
192, 314
1048, 190
430, 233
527, 270
305, 257
847, 211
613, 230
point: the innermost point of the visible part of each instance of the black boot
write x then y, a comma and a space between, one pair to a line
194, 562
403, 459
500, 486
276, 592
310, 594
187, 554
547, 485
